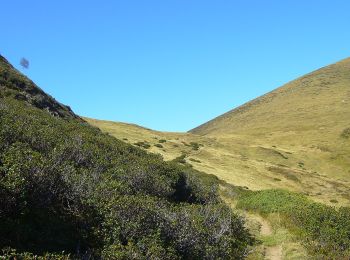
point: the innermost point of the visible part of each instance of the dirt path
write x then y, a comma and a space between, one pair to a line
271, 252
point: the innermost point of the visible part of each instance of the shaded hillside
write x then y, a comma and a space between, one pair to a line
66, 186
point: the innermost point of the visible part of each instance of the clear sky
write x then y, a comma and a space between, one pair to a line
170, 64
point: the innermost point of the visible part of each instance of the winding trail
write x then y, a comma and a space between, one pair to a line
271, 252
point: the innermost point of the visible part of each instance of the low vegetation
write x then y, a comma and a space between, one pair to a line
195, 146
143, 144
346, 133
195, 160
180, 159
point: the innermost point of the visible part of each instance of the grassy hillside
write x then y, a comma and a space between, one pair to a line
306, 120
69, 191
296, 137
317, 100
169, 145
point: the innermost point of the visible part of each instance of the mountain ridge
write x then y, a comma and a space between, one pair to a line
205, 128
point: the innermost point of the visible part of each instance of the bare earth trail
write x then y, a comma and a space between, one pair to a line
264, 229
273, 253
270, 252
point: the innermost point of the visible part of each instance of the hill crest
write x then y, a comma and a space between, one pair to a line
319, 80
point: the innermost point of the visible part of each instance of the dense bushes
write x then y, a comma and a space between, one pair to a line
65, 186
325, 229
183, 228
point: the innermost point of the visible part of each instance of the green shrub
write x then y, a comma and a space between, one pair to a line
144, 144
180, 159
346, 133
195, 146
195, 160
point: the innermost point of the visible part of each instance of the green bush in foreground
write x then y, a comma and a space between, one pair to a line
326, 229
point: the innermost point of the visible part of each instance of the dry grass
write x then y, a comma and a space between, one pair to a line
241, 163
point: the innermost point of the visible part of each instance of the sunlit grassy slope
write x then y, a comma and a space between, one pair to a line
295, 137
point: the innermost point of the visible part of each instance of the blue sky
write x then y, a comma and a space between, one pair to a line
170, 65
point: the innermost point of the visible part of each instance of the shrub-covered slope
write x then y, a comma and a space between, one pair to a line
65, 186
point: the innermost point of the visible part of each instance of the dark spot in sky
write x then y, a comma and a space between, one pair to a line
24, 63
